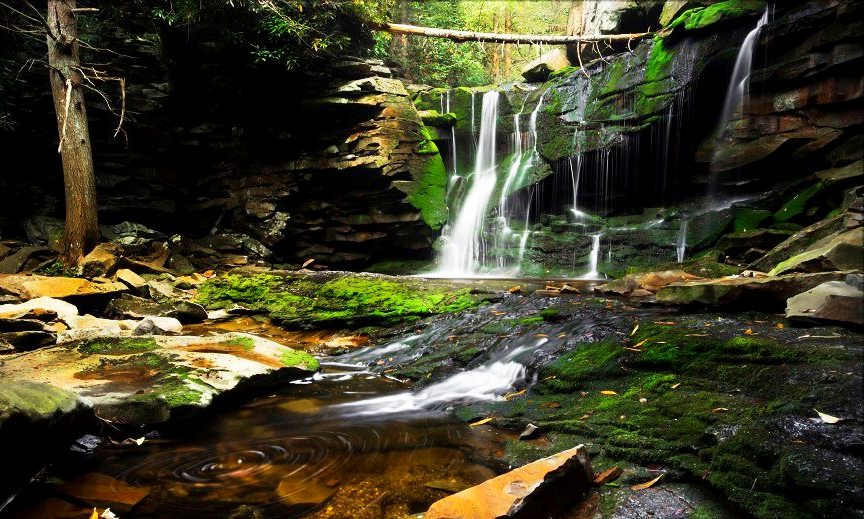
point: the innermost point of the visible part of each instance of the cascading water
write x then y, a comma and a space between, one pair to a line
445, 109
682, 239
740, 83
593, 258
463, 248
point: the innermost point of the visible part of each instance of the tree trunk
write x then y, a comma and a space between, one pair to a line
463, 36
82, 232
508, 54
399, 45
495, 61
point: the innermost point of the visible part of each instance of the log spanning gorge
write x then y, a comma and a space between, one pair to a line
379, 259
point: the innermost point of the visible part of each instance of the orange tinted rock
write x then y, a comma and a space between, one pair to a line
542, 487
104, 491
31, 287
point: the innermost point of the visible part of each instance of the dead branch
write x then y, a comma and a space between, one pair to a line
65, 113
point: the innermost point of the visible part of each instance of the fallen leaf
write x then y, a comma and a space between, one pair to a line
541, 335
608, 392
551, 405
139, 441
665, 323
481, 422
748, 331
643, 400
675, 386
608, 475
827, 418
640, 343
647, 484
508, 396
108, 514
585, 416
634, 330
719, 409
515, 289
780, 326
307, 263
634, 349
94, 515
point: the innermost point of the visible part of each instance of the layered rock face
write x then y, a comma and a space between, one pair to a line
332, 163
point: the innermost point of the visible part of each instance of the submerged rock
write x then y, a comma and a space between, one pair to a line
27, 406
156, 378
546, 486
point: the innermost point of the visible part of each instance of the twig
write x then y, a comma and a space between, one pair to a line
122, 105
65, 113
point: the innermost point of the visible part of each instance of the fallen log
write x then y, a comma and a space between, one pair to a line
463, 36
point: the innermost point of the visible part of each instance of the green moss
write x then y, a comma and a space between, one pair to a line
247, 343
429, 193
434, 118
530, 320
659, 62
298, 301
590, 360
117, 346
553, 105
798, 204
747, 219
293, 358
702, 17
564, 72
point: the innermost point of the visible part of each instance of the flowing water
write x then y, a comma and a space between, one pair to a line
593, 258
681, 246
463, 251
739, 85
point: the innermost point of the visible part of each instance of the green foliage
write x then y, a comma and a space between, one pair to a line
701, 17
293, 358
287, 32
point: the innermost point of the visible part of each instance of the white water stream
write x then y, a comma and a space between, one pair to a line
739, 86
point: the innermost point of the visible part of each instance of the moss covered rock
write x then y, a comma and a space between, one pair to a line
314, 300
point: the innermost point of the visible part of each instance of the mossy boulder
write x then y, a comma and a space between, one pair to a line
315, 300
145, 380
700, 18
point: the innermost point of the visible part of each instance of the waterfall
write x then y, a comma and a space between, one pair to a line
463, 250
593, 258
445, 109
740, 83
682, 239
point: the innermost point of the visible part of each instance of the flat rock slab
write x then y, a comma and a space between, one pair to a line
33, 286
833, 301
767, 292
537, 489
152, 379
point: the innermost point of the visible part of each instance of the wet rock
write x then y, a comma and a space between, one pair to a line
34, 286
842, 251
641, 285
544, 487
107, 328
157, 326
531, 431
768, 292
21, 325
130, 233
40, 308
25, 256
103, 491
26, 340
451, 486
101, 261
833, 301
798, 243
539, 70
737, 242
132, 307
143, 380
298, 489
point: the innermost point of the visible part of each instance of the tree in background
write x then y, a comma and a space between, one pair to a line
81, 231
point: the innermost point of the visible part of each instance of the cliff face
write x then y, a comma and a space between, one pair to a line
332, 163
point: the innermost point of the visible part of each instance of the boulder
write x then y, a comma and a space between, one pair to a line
157, 326
92, 328
539, 489
101, 261
765, 239
768, 293
835, 301
41, 308
539, 70
26, 340
132, 280
24, 258
145, 380
26, 405
34, 286
841, 251
131, 307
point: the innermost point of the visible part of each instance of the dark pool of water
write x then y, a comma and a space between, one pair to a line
293, 454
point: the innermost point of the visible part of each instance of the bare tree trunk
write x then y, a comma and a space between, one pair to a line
399, 45
508, 55
495, 61
82, 231
463, 36
575, 27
